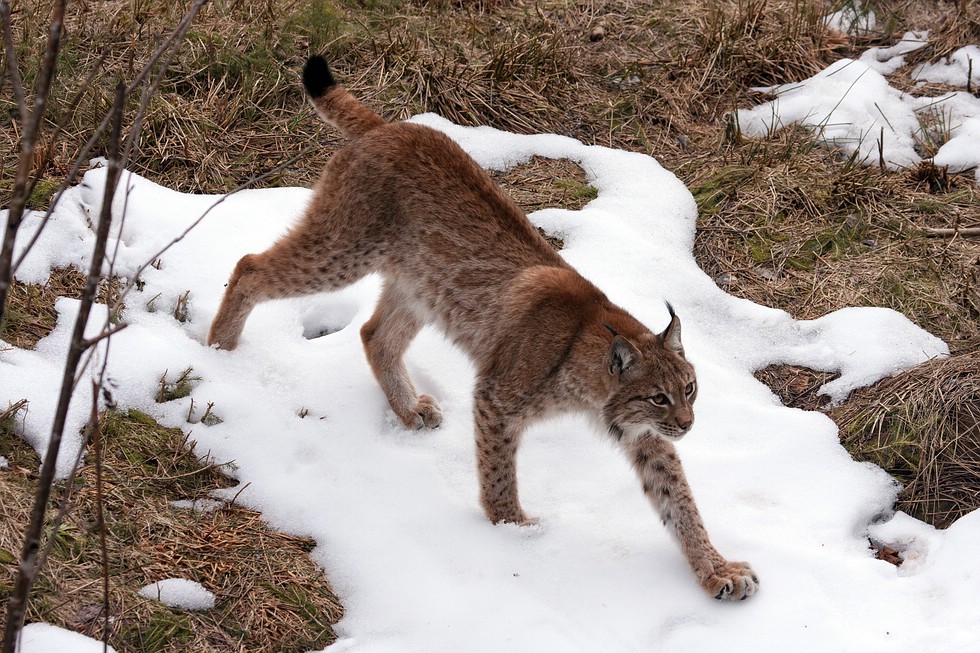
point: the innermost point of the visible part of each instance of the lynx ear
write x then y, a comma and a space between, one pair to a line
671, 337
622, 355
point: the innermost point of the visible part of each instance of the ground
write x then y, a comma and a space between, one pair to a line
782, 222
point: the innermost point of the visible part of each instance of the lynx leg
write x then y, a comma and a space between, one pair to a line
497, 438
386, 336
656, 463
304, 261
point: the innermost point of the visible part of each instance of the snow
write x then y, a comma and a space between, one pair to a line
395, 514
962, 65
849, 105
179, 593
852, 106
962, 151
887, 60
198, 506
45, 638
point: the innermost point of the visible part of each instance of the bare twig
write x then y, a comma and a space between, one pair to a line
247, 184
952, 232
82, 157
96, 431
178, 34
12, 68
29, 564
106, 333
27, 143
53, 139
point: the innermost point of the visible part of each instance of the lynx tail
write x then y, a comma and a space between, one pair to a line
334, 104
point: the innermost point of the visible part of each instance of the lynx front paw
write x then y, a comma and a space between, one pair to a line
427, 414
732, 581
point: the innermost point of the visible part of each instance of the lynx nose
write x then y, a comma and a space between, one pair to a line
684, 423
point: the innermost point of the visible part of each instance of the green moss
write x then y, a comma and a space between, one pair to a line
178, 388
760, 248
42, 194
299, 598
135, 438
319, 21
578, 190
166, 629
716, 191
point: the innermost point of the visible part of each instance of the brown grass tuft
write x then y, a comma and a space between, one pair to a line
797, 386
30, 314
543, 183
923, 427
270, 595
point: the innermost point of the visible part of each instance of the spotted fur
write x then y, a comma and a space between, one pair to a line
455, 251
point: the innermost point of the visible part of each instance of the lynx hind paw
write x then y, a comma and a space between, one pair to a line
427, 414
732, 581
515, 518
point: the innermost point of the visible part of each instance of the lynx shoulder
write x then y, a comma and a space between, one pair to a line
405, 201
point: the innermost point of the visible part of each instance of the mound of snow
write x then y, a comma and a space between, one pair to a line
395, 514
179, 593
45, 638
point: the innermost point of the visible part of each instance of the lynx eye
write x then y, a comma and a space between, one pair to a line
689, 390
660, 399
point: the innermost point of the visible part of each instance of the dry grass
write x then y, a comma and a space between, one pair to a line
788, 224
270, 595
783, 222
797, 386
31, 314
542, 183
923, 427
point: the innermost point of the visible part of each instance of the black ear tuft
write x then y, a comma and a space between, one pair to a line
671, 336
316, 76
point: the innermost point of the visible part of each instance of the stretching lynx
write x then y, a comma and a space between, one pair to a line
405, 201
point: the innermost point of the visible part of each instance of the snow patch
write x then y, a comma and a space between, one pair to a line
956, 70
198, 506
179, 593
851, 105
395, 514
45, 638
887, 60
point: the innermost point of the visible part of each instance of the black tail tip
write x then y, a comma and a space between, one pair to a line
316, 76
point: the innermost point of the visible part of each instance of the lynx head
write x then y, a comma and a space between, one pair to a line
655, 386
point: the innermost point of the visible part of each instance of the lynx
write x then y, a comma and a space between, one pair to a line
405, 201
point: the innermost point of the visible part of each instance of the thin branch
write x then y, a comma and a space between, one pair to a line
27, 143
29, 566
12, 68
96, 431
247, 184
60, 127
952, 232
108, 333
82, 157
133, 138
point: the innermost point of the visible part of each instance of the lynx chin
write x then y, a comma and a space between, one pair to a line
405, 201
